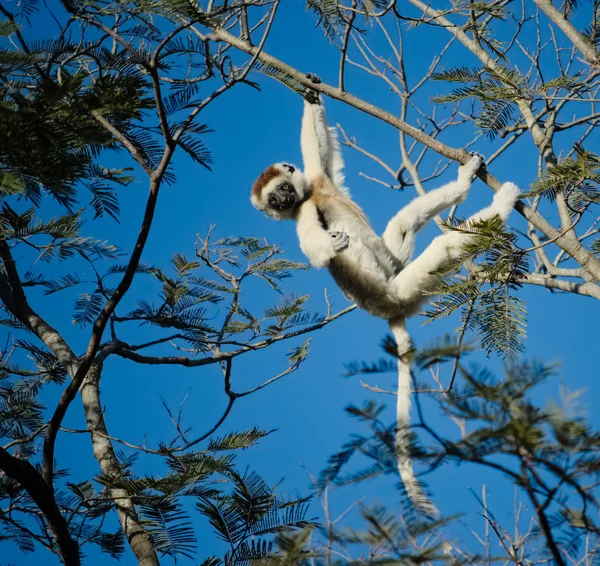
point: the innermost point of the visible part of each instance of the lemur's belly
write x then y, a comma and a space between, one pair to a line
369, 293
364, 271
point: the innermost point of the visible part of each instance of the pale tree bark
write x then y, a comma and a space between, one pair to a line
139, 539
13, 297
583, 45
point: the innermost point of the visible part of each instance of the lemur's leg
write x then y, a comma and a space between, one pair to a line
399, 236
418, 277
502, 205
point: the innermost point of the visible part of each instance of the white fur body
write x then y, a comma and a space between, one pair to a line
365, 268
375, 272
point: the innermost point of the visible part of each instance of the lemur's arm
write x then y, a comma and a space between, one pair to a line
309, 143
316, 132
318, 245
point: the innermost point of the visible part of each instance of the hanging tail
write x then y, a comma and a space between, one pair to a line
407, 475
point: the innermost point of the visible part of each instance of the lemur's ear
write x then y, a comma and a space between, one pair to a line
290, 168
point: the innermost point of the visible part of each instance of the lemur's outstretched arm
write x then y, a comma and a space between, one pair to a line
331, 161
318, 148
309, 143
314, 139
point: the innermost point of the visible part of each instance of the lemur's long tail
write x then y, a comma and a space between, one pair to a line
411, 484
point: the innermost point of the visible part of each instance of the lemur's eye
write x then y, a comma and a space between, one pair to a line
286, 186
272, 201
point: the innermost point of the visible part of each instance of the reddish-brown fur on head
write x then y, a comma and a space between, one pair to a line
263, 180
283, 182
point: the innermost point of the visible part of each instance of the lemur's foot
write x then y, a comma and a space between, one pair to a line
339, 241
505, 199
470, 168
313, 78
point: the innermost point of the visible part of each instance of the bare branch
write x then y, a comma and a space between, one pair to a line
585, 47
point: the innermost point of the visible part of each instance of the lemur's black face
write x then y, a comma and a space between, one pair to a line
283, 197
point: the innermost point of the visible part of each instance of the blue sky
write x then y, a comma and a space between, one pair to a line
252, 130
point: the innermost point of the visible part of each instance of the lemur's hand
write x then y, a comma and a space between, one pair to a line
310, 95
339, 241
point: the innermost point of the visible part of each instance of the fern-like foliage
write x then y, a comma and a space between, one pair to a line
242, 509
330, 16
69, 102
385, 532
486, 298
377, 447
246, 516
548, 450
170, 527
386, 528
293, 549
362, 368
289, 313
20, 411
441, 350
16, 532
279, 76
112, 544
46, 362
502, 319
237, 441
47, 146
568, 6
592, 32
87, 308
489, 8
333, 15
180, 300
498, 90
577, 177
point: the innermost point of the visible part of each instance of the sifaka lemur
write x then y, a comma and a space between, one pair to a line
376, 272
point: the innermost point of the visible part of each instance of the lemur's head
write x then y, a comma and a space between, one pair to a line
278, 190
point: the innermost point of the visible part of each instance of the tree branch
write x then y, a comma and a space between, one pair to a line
42, 494
588, 289
585, 47
122, 350
573, 248
98, 329
139, 539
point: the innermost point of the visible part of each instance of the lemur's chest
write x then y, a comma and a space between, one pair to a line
366, 253
342, 215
